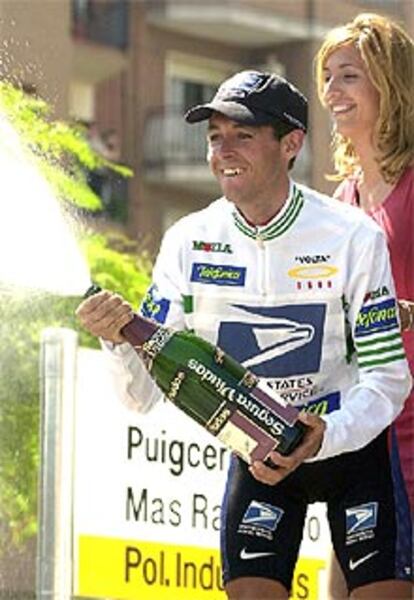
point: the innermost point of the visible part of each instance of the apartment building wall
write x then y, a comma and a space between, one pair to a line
151, 202
126, 95
35, 47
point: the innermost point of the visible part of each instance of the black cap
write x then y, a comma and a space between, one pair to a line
255, 98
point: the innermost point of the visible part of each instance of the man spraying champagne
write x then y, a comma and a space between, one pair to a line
292, 294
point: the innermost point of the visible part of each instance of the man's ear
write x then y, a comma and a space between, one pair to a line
292, 143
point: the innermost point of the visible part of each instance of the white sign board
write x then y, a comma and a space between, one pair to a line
148, 490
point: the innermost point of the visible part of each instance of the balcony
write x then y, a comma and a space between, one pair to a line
104, 23
175, 152
100, 33
252, 23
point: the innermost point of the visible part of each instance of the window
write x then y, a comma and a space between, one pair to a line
193, 80
185, 93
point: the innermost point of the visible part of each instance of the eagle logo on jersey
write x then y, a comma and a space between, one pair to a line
276, 341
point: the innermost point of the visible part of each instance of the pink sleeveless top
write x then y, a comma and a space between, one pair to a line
396, 217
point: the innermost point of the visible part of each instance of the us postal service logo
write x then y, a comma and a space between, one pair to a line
218, 274
361, 522
276, 341
261, 520
263, 515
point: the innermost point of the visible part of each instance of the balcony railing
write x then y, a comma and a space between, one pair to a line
176, 152
169, 140
104, 23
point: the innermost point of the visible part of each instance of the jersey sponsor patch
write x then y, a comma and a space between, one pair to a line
212, 247
325, 405
375, 294
276, 341
218, 274
381, 316
154, 306
316, 271
377, 334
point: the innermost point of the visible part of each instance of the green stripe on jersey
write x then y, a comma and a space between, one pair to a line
286, 220
383, 361
377, 340
383, 350
188, 304
277, 228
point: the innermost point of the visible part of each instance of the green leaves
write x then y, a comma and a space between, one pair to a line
61, 150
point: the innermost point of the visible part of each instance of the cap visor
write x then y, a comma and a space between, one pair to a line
233, 110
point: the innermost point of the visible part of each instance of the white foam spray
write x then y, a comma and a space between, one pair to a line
37, 247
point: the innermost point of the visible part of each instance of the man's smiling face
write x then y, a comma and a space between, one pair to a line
246, 160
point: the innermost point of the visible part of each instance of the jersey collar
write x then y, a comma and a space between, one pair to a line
279, 224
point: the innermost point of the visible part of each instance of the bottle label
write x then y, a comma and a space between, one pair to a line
252, 406
242, 444
157, 341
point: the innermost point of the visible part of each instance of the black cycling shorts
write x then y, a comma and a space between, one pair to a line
262, 525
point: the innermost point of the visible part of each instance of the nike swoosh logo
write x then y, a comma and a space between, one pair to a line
245, 555
353, 564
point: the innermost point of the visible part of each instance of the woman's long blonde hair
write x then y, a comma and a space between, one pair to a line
388, 55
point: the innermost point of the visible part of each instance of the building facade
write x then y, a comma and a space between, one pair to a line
134, 67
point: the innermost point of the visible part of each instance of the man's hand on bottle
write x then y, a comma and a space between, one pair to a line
284, 465
104, 315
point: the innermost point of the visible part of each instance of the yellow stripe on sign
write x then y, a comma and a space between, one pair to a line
137, 570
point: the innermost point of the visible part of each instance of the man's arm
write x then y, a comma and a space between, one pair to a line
384, 379
105, 314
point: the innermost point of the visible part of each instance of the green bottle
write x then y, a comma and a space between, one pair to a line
233, 404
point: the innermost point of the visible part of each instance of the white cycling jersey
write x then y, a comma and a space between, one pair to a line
306, 301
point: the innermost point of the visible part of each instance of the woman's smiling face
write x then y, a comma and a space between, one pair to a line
349, 94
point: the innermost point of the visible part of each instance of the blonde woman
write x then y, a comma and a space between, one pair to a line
365, 78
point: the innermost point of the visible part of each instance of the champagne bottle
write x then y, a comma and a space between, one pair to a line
229, 401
